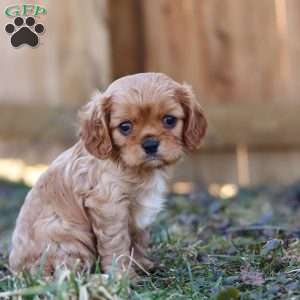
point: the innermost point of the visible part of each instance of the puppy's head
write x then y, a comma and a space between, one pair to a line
145, 120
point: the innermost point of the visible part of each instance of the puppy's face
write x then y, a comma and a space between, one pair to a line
144, 120
147, 133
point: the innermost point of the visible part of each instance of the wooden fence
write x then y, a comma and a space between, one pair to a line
242, 58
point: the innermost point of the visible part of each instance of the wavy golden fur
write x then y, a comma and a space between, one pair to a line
98, 198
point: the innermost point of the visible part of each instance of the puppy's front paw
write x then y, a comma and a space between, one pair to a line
146, 263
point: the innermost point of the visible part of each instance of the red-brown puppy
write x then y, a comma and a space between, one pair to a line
98, 198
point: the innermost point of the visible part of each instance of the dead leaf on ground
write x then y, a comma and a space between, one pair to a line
252, 277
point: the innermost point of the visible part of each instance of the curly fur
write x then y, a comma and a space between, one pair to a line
98, 198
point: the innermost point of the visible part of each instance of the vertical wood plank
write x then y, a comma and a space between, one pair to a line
293, 45
71, 61
126, 37
171, 47
229, 50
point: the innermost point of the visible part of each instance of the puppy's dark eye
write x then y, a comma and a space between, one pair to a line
169, 121
125, 127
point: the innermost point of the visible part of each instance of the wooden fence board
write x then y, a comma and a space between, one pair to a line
241, 57
72, 59
259, 127
265, 167
228, 50
126, 37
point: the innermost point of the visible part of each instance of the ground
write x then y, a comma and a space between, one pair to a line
204, 247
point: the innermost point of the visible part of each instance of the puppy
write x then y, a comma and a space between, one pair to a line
98, 198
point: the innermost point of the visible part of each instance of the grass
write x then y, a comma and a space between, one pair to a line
247, 247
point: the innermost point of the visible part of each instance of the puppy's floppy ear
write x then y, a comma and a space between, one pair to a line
195, 123
94, 131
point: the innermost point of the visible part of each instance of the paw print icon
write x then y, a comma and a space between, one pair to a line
24, 32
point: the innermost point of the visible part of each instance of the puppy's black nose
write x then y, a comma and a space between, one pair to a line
150, 145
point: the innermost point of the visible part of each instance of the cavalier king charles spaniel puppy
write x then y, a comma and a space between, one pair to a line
98, 198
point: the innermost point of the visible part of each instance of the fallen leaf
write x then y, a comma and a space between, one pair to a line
252, 277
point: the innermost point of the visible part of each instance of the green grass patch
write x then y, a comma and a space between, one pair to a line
247, 247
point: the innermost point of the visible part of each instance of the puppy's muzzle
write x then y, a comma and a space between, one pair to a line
150, 145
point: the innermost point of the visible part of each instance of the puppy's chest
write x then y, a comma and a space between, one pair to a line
148, 201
